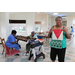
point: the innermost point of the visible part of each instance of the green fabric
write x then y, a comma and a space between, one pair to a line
28, 46
33, 37
60, 43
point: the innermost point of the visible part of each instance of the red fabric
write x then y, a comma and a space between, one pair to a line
10, 52
13, 52
57, 32
43, 35
40, 39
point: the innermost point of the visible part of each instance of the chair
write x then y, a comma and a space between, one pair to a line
39, 37
8, 51
2, 45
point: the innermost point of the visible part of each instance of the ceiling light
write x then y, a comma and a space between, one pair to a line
55, 13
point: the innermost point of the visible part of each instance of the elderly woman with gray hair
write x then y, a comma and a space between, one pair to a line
28, 46
58, 45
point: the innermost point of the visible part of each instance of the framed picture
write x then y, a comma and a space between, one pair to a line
37, 28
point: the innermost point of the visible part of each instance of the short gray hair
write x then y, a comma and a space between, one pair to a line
32, 32
58, 17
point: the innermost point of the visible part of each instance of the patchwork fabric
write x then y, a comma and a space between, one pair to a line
56, 44
57, 34
57, 37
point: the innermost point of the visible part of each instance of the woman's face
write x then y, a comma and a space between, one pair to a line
58, 21
32, 34
14, 34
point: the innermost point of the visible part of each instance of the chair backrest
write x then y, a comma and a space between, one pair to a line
5, 47
39, 37
0, 40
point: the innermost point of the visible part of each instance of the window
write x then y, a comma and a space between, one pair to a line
21, 27
18, 27
14, 27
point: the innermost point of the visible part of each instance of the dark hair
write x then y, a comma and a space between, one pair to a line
58, 17
13, 32
71, 26
32, 32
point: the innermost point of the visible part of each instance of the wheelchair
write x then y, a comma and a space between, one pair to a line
33, 52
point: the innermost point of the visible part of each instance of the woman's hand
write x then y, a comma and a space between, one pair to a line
14, 42
34, 38
67, 33
65, 30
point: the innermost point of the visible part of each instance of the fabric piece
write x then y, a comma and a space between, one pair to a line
33, 37
56, 44
57, 34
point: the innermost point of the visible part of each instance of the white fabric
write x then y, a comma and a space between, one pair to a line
55, 38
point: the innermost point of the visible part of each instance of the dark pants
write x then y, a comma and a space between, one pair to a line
59, 52
28, 46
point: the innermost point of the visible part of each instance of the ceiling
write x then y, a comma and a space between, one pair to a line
61, 13
50, 13
13, 12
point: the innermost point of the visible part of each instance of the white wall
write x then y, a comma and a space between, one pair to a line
4, 24
28, 16
70, 21
30, 22
49, 22
43, 18
53, 21
38, 17
44, 23
19, 16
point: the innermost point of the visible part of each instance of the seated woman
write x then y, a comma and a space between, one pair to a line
33, 37
11, 41
72, 30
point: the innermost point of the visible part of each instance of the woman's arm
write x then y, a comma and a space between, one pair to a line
50, 32
14, 42
67, 33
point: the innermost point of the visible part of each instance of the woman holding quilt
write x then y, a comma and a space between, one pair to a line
58, 34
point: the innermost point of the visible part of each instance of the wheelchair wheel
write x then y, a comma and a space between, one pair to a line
43, 56
29, 58
35, 60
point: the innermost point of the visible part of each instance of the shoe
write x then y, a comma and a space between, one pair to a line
16, 54
26, 54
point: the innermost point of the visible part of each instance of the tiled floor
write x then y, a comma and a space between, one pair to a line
70, 53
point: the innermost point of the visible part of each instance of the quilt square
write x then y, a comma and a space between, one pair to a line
57, 34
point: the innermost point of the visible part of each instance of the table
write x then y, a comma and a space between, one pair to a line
43, 36
22, 38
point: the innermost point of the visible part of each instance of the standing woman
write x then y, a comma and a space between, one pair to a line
55, 48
